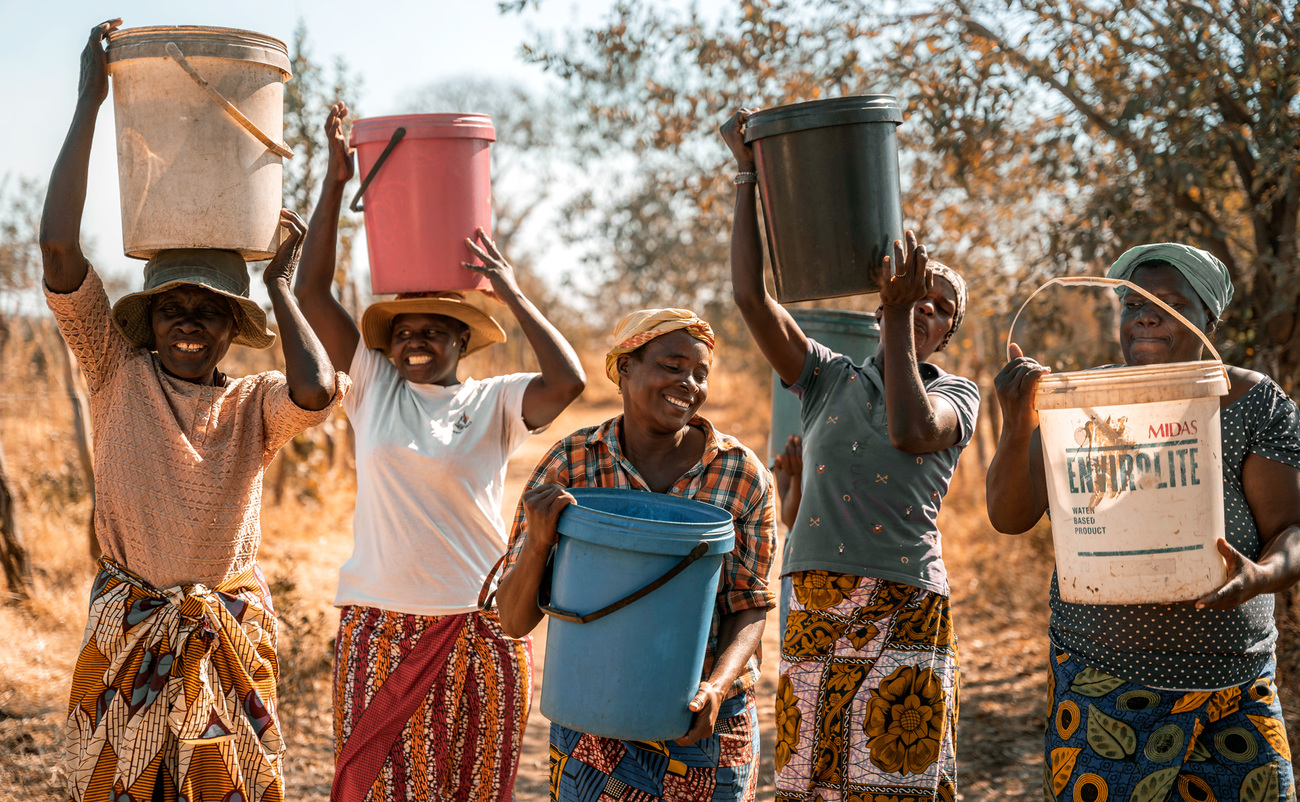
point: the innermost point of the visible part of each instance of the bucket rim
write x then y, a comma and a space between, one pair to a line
1126, 374
719, 532
1198, 379
825, 113
450, 125
201, 41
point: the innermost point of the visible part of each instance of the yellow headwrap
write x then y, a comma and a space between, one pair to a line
644, 325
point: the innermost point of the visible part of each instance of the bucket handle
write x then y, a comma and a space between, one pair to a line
383, 157
699, 551
278, 148
1098, 281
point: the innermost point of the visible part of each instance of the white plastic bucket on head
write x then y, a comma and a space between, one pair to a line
200, 115
1134, 467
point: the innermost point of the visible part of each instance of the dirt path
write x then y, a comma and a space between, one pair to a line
1003, 656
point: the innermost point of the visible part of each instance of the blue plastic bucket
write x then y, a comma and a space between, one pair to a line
631, 673
854, 334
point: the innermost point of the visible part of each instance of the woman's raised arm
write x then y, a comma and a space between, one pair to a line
65, 200
778, 336
314, 286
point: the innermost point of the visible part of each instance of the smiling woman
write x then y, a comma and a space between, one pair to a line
660, 361
1202, 671
431, 462
175, 687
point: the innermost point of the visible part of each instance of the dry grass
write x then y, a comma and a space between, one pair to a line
999, 591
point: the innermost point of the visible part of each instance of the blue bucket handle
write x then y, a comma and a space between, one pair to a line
699, 551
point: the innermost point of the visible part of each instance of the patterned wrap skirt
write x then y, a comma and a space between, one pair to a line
720, 768
866, 704
173, 694
448, 726
1116, 740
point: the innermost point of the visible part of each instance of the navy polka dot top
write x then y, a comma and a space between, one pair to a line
1176, 646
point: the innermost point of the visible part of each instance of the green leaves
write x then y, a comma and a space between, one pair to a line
1094, 684
1261, 784
1110, 737
1155, 787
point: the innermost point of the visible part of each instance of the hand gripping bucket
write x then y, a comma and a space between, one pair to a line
633, 588
199, 114
427, 185
828, 177
1134, 467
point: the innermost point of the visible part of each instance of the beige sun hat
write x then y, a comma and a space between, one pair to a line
222, 272
377, 322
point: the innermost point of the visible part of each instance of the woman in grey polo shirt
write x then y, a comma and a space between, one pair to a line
1149, 697
867, 696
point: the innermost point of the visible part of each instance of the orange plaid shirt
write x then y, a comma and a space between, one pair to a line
728, 475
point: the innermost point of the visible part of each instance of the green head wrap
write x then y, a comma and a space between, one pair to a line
1202, 269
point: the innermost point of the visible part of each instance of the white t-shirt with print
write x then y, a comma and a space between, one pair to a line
431, 469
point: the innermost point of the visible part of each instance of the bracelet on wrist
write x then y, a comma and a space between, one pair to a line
745, 177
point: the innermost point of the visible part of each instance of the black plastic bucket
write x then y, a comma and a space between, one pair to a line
832, 203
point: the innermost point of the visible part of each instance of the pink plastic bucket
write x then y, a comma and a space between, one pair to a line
424, 190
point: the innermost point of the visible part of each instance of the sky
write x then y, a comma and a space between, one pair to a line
396, 47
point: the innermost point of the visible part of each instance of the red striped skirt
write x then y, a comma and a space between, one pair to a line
448, 726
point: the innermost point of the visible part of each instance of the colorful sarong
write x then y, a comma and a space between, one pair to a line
1111, 739
462, 736
720, 768
173, 694
866, 703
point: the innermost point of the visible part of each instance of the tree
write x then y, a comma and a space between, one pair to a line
1044, 137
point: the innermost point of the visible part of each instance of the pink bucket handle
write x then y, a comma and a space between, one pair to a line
1098, 281
278, 148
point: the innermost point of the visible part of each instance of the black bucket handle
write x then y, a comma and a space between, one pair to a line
699, 551
383, 157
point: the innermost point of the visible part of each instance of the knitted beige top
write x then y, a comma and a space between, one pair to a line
178, 466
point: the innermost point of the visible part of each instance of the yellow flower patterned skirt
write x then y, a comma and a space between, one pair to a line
866, 704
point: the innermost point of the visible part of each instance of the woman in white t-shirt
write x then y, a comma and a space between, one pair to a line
430, 697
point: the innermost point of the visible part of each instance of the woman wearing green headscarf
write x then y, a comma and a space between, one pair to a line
1149, 697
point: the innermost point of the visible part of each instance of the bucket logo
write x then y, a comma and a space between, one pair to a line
1171, 429
1108, 462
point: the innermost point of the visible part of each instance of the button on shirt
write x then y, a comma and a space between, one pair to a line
868, 508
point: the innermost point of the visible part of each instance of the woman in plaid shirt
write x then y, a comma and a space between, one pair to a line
660, 361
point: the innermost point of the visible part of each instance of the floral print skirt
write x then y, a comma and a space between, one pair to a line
1108, 739
866, 703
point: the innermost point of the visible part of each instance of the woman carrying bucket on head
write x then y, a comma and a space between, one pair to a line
867, 695
1149, 696
660, 361
430, 697
174, 692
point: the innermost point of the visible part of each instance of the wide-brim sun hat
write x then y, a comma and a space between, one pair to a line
222, 272
377, 322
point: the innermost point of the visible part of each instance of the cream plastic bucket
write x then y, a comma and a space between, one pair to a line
1134, 467
200, 116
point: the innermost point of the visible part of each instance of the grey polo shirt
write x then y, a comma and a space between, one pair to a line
869, 509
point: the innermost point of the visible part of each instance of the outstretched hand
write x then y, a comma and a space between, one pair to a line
1246, 580
286, 258
910, 278
93, 85
342, 163
498, 271
733, 133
